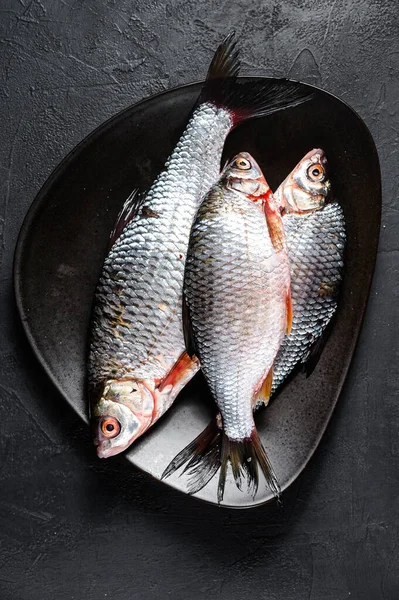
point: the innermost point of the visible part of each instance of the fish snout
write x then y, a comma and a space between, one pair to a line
122, 414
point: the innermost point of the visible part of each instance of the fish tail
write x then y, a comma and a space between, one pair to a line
201, 458
222, 73
261, 98
251, 99
225, 63
245, 456
212, 450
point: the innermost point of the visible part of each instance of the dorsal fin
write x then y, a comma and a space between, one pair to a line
310, 362
129, 210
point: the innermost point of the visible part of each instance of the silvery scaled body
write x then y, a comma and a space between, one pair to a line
315, 243
235, 287
139, 293
236, 312
137, 337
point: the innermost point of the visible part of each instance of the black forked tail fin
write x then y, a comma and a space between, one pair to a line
251, 99
245, 456
201, 458
212, 450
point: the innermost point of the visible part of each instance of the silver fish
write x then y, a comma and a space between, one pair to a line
315, 238
137, 360
316, 241
237, 291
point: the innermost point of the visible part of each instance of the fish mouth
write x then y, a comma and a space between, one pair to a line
105, 452
101, 447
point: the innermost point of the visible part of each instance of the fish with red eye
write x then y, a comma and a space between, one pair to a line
237, 309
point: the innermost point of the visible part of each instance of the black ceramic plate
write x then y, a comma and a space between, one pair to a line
64, 237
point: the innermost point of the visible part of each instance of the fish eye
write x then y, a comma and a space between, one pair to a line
243, 164
315, 172
110, 427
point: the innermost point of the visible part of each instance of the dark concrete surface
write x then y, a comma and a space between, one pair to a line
72, 527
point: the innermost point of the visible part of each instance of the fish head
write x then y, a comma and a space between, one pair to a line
307, 186
121, 413
243, 174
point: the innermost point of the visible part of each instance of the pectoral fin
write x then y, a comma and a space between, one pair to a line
274, 222
180, 374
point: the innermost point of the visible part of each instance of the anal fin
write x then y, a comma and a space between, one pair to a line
290, 312
265, 391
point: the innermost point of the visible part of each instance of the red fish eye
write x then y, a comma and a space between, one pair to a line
110, 427
315, 172
243, 164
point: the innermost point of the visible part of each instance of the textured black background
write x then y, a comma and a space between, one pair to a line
73, 527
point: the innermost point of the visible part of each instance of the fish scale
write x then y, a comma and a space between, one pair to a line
146, 263
316, 244
236, 335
